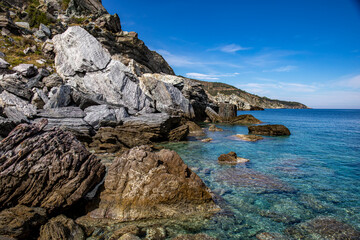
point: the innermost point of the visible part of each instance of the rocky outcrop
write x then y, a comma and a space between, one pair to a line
179, 133
61, 227
48, 169
269, 130
231, 158
21, 222
244, 119
144, 184
214, 116
323, 228
227, 111
194, 129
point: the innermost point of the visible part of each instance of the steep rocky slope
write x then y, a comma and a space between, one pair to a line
221, 92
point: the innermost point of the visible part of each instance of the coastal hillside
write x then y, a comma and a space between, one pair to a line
221, 92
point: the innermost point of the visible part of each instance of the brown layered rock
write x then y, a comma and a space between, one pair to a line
244, 119
61, 227
231, 158
144, 184
194, 129
269, 130
323, 228
214, 128
227, 111
48, 169
21, 222
179, 133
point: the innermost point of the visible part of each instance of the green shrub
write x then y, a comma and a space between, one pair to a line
36, 16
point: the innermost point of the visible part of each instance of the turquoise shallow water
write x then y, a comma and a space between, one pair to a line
314, 172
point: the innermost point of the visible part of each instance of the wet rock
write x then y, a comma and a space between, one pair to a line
194, 129
227, 111
179, 133
244, 119
269, 130
277, 217
249, 138
48, 169
207, 140
214, 128
54, 80
252, 180
153, 185
199, 236
59, 97
61, 227
231, 158
324, 228
21, 222
27, 70
4, 64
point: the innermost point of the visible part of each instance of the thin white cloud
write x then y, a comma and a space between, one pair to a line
230, 48
202, 76
264, 88
287, 68
350, 82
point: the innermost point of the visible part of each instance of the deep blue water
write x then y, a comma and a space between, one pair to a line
314, 172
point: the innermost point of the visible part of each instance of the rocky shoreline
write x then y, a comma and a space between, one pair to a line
75, 87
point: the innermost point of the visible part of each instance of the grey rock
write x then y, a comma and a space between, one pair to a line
48, 49
4, 64
16, 84
15, 115
27, 70
25, 25
54, 80
212, 115
9, 100
83, 100
96, 115
2, 55
45, 29
30, 50
62, 112
59, 97
79, 7
40, 35
78, 51
36, 81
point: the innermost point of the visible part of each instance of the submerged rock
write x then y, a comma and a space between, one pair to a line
48, 169
214, 128
249, 138
271, 236
143, 184
269, 130
61, 227
324, 228
21, 222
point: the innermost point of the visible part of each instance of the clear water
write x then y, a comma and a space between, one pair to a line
314, 172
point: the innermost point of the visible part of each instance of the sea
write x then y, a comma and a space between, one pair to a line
289, 181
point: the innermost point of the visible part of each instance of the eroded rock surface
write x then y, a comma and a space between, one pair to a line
231, 158
269, 130
48, 169
61, 227
143, 184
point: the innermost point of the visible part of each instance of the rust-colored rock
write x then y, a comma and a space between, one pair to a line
269, 130
144, 184
231, 158
48, 169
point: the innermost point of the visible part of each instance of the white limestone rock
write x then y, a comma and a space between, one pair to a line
9, 100
4, 64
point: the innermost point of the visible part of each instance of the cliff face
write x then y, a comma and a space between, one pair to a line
221, 92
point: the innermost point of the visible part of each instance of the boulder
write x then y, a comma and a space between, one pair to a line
323, 228
8, 100
244, 119
194, 129
27, 70
227, 111
98, 115
21, 222
54, 80
4, 64
152, 185
59, 97
214, 117
61, 227
41, 35
269, 130
167, 98
84, 7
179, 133
45, 29
231, 158
16, 84
214, 128
88, 68
249, 138
47, 169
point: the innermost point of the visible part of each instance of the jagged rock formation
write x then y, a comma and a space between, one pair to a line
144, 184
61, 227
224, 93
51, 170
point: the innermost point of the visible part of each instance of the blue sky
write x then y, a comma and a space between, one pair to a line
299, 50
